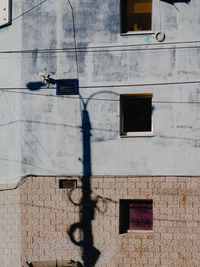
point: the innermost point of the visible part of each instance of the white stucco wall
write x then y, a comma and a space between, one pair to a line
10, 76
41, 132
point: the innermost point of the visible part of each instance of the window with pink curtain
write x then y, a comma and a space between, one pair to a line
140, 215
135, 215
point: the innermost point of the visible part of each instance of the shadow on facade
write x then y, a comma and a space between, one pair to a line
34, 85
173, 2
176, 1
87, 205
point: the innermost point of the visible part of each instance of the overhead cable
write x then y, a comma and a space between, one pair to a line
98, 99
29, 10
110, 85
108, 48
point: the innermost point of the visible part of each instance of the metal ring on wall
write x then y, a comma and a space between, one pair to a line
160, 37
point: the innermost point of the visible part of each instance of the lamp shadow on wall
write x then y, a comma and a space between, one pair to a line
87, 205
34, 86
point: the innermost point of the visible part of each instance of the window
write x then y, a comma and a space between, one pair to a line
136, 15
136, 215
136, 113
5, 12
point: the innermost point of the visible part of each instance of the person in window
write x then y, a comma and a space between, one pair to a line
136, 27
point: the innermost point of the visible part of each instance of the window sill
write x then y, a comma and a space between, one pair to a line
140, 231
136, 33
137, 134
5, 25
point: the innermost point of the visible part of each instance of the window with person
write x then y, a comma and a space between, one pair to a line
136, 15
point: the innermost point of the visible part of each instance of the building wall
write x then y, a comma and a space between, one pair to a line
36, 220
43, 134
39, 117
10, 77
10, 227
48, 214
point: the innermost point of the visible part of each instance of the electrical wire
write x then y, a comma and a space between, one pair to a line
85, 49
160, 16
29, 10
24, 138
74, 31
111, 85
106, 48
23, 179
141, 84
102, 99
20, 182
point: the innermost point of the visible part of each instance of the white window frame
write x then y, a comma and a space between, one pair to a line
134, 134
135, 32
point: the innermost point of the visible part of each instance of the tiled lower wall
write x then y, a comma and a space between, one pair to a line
46, 213
50, 217
10, 227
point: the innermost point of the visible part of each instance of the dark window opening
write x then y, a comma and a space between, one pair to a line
136, 215
136, 15
136, 113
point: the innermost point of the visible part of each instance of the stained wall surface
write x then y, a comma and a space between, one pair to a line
45, 134
10, 77
41, 133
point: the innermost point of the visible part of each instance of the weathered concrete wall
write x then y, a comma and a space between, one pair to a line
48, 136
10, 76
48, 213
